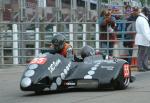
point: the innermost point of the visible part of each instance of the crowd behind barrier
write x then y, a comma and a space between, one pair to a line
28, 42
116, 40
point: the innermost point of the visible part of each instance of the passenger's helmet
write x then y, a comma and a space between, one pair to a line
87, 51
58, 42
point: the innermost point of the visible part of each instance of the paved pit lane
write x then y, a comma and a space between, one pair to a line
138, 92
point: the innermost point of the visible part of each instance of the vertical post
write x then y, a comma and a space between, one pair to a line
99, 2
73, 26
97, 37
71, 34
97, 43
22, 6
22, 44
54, 30
2, 48
37, 45
1, 9
58, 5
1, 35
146, 3
84, 34
41, 19
88, 5
15, 44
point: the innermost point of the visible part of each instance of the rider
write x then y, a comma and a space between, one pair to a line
62, 47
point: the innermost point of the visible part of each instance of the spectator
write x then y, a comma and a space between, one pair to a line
107, 24
116, 12
131, 27
127, 11
142, 39
134, 14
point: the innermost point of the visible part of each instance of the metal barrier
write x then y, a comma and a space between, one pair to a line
19, 44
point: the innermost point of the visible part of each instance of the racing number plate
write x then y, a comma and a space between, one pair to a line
126, 70
38, 61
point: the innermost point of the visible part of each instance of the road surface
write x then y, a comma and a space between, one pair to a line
138, 92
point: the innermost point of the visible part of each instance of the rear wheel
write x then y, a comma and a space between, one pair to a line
123, 80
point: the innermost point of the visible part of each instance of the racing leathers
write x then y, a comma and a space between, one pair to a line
67, 52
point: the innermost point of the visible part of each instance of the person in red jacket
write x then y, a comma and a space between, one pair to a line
62, 47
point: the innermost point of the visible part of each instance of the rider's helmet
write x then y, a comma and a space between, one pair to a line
87, 51
58, 42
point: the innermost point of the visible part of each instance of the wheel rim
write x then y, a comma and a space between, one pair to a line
126, 81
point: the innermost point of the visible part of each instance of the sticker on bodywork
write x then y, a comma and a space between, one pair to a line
53, 65
126, 70
38, 61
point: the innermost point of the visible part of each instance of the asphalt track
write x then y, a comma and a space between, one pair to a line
138, 92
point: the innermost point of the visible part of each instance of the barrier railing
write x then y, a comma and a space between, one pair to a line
19, 44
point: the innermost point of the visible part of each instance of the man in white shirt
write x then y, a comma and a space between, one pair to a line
142, 39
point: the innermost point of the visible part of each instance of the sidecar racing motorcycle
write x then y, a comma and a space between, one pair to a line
52, 72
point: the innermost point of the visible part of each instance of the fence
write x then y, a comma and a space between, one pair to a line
19, 44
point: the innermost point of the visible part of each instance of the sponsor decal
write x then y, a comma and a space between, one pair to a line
53, 86
87, 77
105, 61
29, 73
58, 80
70, 84
39, 61
26, 82
33, 66
34, 61
108, 67
54, 64
126, 71
65, 71
109, 61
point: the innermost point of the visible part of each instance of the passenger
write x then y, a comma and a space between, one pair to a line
87, 51
62, 47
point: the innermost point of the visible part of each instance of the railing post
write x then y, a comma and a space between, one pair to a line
2, 49
97, 37
71, 34
84, 34
37, 41
54, 30
15, 44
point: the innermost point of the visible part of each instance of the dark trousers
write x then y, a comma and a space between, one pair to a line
142, 58
107, 45
130, 54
